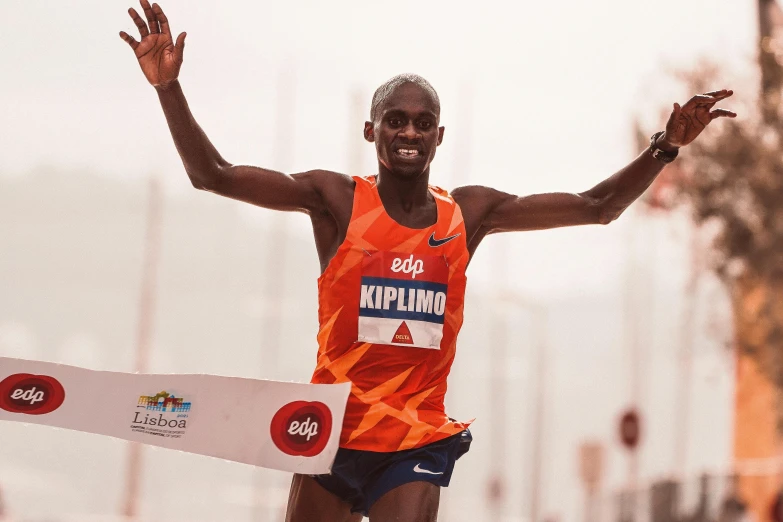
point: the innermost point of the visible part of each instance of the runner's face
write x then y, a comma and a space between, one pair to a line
406, 133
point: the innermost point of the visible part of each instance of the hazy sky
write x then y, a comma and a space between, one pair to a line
536, 96
555, 85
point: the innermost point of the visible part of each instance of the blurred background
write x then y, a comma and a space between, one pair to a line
621, 373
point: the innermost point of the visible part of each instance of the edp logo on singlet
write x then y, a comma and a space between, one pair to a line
402, 299
409, 266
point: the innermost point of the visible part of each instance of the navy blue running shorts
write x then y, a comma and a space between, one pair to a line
362, 477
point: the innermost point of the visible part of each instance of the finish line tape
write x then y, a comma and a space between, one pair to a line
280, 425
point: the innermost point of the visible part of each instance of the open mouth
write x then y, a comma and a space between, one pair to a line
407, 153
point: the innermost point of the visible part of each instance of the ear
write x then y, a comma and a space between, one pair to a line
369, 131
441, 130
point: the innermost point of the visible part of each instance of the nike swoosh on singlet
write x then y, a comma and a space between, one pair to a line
438, 242
417, 469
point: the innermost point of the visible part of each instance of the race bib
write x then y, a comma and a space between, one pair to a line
403, 299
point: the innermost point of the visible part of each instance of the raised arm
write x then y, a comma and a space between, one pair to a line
160, 60
488, 211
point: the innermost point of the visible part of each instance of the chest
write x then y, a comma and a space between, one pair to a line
414, 218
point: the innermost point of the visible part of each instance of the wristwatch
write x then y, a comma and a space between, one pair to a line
660, 154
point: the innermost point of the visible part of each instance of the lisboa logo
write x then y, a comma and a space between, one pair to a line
302, 428
31, 394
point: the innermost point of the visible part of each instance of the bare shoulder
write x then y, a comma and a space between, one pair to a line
324, 179
477, 201
477, 194
335, 190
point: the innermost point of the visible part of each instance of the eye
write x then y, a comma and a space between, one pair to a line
395, 122
425, 124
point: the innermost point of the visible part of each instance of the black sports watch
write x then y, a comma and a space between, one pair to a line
661, 155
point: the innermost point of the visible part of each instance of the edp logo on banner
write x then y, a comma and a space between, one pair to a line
31, 394
280, 425
302, 428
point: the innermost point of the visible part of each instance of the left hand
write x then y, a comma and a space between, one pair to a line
687, 122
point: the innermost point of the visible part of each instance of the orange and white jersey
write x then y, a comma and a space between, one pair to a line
390, 308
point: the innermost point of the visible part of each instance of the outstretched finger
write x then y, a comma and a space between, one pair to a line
721, 94
722, 113
150, 14
701, 100
128, 38
139, 22
164, 22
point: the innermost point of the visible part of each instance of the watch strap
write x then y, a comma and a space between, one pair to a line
658, 153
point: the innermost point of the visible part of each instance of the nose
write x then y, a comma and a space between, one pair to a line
409, 131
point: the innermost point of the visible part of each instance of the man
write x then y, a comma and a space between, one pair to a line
393, 253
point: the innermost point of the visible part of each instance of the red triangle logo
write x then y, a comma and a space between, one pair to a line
403, 335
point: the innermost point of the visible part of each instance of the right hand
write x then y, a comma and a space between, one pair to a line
159, 58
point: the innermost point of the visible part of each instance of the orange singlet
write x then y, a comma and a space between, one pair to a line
390, 306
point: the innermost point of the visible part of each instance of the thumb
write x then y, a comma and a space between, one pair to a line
675, 114
179, 47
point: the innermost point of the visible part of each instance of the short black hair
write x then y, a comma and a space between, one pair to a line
383, 92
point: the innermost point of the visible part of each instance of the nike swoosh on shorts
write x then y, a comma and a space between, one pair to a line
417, 469
438, 242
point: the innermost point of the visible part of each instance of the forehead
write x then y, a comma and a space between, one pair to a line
411, 99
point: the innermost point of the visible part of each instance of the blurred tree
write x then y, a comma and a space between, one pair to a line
732, 180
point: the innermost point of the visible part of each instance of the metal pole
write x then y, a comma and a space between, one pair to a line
2, 506
683, 405
539, 321
267, 482
588, 507
769, 14
498, 403
357, 146
144, 334
463, 139
631, 335
540, 324
460, 174
592, 505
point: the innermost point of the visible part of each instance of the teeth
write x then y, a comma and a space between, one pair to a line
408, 152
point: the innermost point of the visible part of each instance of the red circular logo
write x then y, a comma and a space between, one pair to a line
31, 394
302, 428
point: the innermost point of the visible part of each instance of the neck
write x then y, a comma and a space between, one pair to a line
407, 192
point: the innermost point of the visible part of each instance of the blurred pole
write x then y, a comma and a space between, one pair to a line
144, 334
268, 483
631, 334
460, 175
463, 135
356, 143
683, 404
540, 320
3, 511
770, 21
498, 352
591, 507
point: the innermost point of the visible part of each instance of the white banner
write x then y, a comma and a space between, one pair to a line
281, 425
